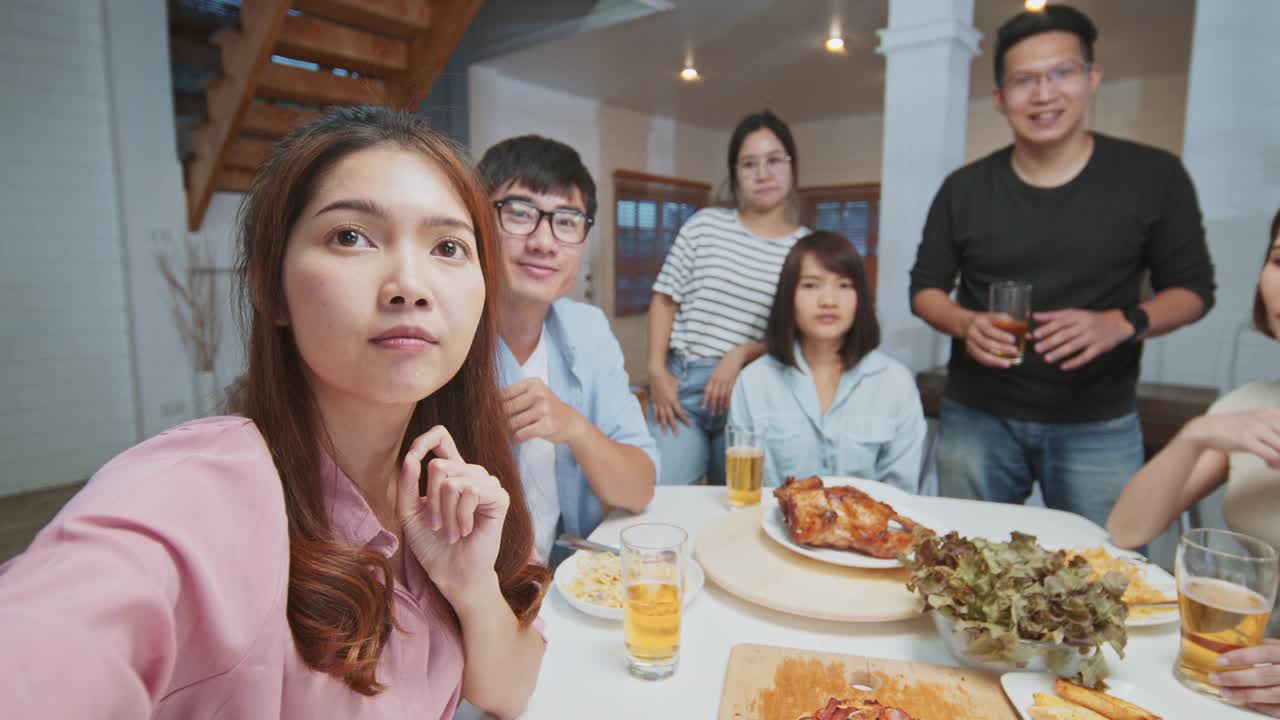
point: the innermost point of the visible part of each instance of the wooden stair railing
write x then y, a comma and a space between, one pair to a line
385, 52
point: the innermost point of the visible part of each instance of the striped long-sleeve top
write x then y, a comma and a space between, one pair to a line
724, 278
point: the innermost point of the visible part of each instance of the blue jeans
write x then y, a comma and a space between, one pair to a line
1081, 467
696, 449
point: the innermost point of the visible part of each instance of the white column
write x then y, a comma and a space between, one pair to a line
151, 202
1232, 150
928, 47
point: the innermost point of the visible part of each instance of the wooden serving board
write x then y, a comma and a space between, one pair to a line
738, 556
765, 682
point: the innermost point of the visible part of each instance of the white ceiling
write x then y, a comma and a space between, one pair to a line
768, 53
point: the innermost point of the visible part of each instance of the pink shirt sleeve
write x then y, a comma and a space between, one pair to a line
158, 574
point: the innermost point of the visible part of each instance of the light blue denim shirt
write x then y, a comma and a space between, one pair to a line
585, 370
875, 427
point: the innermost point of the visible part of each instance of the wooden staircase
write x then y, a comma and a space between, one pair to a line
351, 52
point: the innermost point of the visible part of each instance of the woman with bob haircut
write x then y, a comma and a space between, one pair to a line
355, 542
824, 399
1236, 443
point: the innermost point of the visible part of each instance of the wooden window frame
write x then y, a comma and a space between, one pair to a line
630, 185
849, 192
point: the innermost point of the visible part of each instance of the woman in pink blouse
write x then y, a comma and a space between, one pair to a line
342, 545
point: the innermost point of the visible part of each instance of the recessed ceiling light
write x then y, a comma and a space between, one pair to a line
1035, 5
835, 44
689, 74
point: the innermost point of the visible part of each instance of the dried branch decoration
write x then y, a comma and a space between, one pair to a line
193, 302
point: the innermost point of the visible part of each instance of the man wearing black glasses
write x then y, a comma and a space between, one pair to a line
580, 434
1080, 216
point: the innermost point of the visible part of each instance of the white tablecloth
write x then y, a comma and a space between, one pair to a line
584, 672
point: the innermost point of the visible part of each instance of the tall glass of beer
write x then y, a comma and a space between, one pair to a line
1011, 302
1226, 591
653, 570
744, 465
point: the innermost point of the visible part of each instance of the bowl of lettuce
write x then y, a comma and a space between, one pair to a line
1005, 606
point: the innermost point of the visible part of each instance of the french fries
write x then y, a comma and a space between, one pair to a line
1052, 707
1074, 702
1108, 706
1059, 712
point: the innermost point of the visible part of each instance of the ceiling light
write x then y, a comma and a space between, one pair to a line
689, 74
1035, 5
835, 44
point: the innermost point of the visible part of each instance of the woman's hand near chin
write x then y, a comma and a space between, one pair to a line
454, 529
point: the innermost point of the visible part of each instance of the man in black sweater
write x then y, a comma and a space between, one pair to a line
1081, 216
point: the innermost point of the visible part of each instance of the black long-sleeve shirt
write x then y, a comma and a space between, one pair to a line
1081, 245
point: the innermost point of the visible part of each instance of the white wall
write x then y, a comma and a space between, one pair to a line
66, 386
152, 202
218, 232
1232, 150
608, 138
1233, 154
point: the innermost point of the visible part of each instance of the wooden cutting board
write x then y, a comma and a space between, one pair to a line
738, 556
765, 682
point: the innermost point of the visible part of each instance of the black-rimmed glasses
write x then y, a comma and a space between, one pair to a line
519, 217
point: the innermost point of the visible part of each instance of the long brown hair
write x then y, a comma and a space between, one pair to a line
340, 597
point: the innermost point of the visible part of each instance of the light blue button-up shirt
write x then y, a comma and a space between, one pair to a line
875, 427
585, 370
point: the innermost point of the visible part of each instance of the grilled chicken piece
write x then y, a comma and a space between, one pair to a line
843, 518
852, 710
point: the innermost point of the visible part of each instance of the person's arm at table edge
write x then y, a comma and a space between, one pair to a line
1179, 476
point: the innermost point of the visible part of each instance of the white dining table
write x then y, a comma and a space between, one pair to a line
584, 672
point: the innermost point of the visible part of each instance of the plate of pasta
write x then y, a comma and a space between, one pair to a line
1149, 584
592, 583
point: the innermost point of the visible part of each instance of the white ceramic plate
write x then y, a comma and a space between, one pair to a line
775, 526
568, 570
1155, 576
1020, 687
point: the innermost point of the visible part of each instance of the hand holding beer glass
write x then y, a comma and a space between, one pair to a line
1226, 591
1010, 301
653, 571
744, 465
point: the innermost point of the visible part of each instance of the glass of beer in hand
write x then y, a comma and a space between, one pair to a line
1010, 300
1226, 591
653, 569
744, 465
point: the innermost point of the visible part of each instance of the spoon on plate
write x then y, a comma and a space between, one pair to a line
576, 543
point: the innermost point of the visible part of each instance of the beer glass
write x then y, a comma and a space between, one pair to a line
744, 465
1010, 300
653, 570
1226, 591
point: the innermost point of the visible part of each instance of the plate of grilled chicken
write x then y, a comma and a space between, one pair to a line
843, 521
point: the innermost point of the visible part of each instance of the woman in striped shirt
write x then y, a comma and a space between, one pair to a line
711, 301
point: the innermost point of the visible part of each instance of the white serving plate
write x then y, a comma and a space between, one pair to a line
1155, 576
694, 579
775, 526
1020, 687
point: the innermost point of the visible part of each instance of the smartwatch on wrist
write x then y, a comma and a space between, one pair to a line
1137, 317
